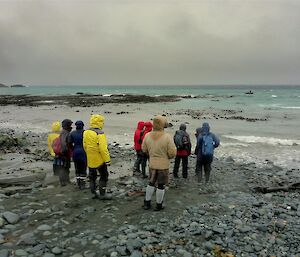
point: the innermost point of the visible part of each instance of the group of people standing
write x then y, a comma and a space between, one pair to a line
159, 147
89, 149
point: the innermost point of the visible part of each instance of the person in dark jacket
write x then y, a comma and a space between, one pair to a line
183, 151
138, 135
206, 142
197, 133
66, 152
79, 156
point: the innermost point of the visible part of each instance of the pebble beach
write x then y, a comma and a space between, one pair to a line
227, 216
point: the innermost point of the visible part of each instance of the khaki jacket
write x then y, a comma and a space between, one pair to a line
159, 145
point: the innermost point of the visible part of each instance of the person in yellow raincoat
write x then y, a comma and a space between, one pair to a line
51, 136
98, 158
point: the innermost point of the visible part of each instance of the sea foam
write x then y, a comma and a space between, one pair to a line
264, 140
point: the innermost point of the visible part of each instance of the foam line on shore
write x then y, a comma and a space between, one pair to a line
264, 140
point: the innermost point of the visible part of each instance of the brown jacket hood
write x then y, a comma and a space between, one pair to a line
159, 123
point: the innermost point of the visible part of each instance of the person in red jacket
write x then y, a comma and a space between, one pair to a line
138, 139
147, 128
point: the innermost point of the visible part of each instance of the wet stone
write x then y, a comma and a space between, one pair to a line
136, 254
10, 217
27, 239
21, 252
4, 253
44, 227
56, 250
49, 255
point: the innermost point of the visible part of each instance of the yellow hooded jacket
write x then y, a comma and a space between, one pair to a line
54, 134
95, 144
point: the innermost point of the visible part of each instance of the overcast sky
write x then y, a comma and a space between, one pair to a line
128, 42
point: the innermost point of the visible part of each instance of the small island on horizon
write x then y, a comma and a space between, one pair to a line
15, 85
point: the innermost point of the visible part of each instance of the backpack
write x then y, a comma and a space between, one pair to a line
56, 146
178, 140
208, 145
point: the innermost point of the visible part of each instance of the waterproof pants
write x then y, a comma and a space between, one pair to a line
80, 172
184, 166
93, 172
63, 170
139, 160
204, 162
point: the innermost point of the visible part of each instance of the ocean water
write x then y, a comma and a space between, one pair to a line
285, 97
276, 140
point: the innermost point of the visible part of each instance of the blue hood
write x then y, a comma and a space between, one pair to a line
205, 128
182, 127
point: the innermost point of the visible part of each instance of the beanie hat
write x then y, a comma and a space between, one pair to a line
66, 124
79, 124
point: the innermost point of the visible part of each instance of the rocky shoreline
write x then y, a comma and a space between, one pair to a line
86, 100
80, 99
227, 216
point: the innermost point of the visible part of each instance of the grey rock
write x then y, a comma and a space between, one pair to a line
37, 248
56, 250
218, 230
89, 254
48, 255
136, 254
10, 217
208, 234
21, 252
4, 253
44, 227
208, 245
77, 255
27, 239
121, 250
1, 222
245, 229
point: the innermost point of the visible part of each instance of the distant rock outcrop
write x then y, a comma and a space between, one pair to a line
2, 85
17, 85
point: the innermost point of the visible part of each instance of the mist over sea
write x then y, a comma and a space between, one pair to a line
273, 140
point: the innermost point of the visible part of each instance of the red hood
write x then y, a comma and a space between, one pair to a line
140, 125
148, 126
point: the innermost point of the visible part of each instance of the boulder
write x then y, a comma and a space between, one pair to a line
10, 217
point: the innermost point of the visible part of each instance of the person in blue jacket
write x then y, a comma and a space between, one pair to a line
206, 143
79, 155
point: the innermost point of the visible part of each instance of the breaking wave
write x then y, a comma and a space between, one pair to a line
264, 140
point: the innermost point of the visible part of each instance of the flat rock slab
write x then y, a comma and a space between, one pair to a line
10, 217
22, 180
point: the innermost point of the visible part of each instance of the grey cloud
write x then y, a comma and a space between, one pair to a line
148, 42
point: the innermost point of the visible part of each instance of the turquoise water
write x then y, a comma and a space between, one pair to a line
276, 140
285, 97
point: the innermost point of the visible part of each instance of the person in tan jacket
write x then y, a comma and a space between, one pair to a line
160, 148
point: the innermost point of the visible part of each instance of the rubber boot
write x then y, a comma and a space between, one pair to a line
144, 174
159, 207
147, 205
82, 184
55, 170
102, 190
62, 176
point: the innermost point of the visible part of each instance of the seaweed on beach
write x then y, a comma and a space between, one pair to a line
83, 100
227, 114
